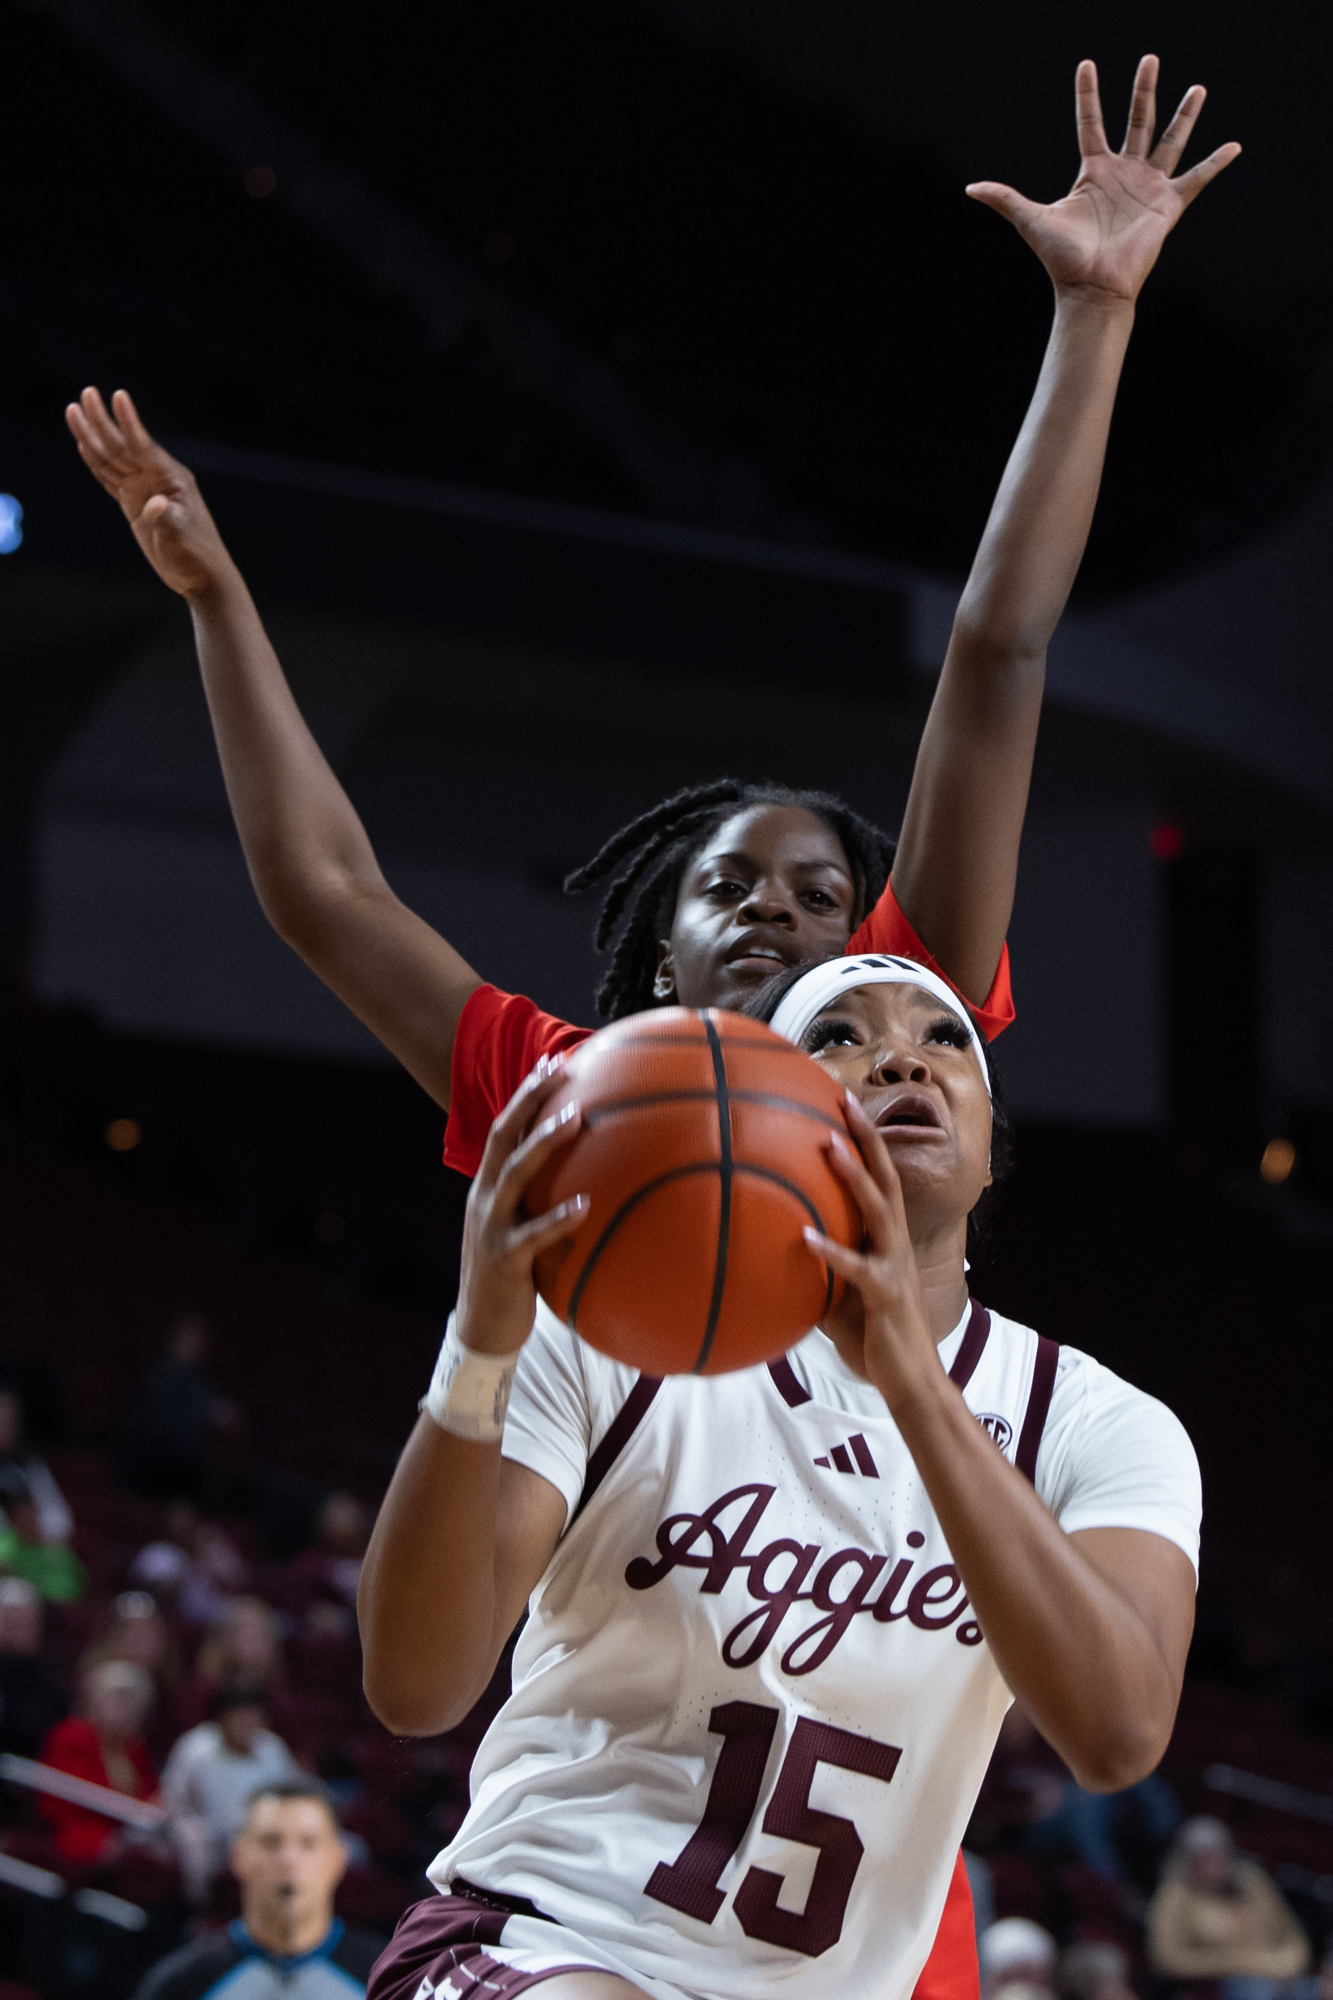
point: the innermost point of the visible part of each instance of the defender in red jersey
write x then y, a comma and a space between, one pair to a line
791, 873
953, 872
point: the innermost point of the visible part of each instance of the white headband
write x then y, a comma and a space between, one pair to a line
812, 993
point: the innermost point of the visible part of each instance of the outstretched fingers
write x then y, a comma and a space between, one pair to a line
1088, 111
101, 424
1166, 153
1187, 186
94, 433
131, 423
1006, 201
1142, 121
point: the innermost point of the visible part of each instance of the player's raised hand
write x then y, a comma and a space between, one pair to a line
1104, 237
157, 494
880, 1327
497, 1292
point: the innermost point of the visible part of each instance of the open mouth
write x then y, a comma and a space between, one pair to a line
910, 1111
752, 952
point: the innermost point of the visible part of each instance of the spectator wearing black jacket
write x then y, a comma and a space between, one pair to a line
289, 1858
32, 1699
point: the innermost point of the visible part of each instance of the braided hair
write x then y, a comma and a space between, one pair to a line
645, 864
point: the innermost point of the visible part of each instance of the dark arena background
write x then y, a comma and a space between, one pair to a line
599, 398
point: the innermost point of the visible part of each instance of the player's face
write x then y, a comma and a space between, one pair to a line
771, 889
910, 1063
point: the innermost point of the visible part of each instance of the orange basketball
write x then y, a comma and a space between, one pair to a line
704, 1149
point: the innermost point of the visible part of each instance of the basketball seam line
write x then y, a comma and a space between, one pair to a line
664, 1180
640, 1194
724, 1192
770, 1100
656, 1041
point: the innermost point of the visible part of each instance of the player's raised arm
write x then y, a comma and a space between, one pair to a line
958, 855
312, 865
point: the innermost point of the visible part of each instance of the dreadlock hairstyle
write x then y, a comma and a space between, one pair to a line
657, 848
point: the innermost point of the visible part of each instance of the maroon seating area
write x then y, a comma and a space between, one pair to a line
93, 1269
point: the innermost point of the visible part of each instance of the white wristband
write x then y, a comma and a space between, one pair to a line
469, 1392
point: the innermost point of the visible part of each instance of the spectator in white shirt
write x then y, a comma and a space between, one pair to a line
212, 1772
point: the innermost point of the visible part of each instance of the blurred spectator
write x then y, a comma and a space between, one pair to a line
1096, 1971
1016, 1953
161, 1566
31, 1699
137, 1631
196, 1566
210, 1775
318, 1587
289, 1858
1217, 1915
242, 1650
179, 1416
104, 1745
1086, 1822
55, 1522
51, 1567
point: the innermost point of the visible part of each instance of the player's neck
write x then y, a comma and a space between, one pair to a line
943, 1283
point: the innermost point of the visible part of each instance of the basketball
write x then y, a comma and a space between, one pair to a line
704, 1149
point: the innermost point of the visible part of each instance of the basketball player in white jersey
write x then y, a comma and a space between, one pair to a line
775, 1617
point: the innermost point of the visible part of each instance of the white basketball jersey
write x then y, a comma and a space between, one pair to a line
751, 1708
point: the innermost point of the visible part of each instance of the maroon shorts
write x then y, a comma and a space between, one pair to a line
444, 1940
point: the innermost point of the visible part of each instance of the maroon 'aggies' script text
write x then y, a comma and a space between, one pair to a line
839, 1585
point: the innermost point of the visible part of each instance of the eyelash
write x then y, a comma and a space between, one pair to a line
823, 1033
728, 886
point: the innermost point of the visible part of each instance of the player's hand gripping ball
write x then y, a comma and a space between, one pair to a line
704, 1147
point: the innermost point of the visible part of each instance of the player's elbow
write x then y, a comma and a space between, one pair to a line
306, 903
997, 662
1116, 1755
407, 1708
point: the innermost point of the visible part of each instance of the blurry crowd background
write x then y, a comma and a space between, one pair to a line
177, 1623
186, 1497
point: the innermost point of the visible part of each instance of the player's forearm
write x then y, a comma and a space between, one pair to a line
1078, 1656
1039, 522
957, 860
304, 844
426, 1603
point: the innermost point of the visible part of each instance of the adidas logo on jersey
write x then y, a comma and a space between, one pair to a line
840, 1458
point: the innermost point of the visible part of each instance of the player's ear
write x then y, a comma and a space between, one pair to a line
664, 985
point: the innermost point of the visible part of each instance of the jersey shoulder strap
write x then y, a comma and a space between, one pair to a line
1039, 1404
972, 1346
623, 1426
